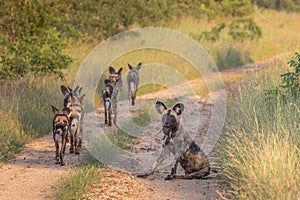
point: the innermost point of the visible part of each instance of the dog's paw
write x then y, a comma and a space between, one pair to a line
169, 178
144, 175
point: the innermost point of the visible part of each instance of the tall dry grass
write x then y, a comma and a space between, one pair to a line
260, 148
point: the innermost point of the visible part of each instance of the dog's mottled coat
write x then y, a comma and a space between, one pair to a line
176, 141
60, 132
111, 93
133, 80
74, 101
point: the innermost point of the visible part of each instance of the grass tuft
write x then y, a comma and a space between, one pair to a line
76, 184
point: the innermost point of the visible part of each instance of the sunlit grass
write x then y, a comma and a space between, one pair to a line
121, 139
259, 150
76, 184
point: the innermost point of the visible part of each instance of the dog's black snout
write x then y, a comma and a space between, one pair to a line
169, 121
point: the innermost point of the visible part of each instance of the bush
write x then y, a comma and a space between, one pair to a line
291, 80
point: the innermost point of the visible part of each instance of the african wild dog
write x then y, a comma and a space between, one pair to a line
107, 96
176, 141
60, 132
111, 94
75, 102
133, 80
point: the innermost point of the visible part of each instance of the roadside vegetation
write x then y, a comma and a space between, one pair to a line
259, 150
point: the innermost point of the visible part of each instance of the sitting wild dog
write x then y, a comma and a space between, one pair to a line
114, 81
176, 141
74, 101
133, 80
60, 132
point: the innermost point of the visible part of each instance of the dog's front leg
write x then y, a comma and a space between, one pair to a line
173, 171
163, 155
105, 114
174, 167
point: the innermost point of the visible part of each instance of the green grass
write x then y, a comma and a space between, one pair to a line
121, 139
280, 34
76, 184
259, 150
26, 113
25, 105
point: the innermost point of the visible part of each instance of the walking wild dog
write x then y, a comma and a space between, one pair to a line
133, 80
74, 101
107, 96
60, 132
176, 141
111, 94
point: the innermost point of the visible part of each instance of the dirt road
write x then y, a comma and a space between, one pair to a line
33, 175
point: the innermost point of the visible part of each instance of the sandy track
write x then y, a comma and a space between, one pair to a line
33, 174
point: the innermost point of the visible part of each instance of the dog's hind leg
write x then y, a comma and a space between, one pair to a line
56, 149
62, 150
71, 143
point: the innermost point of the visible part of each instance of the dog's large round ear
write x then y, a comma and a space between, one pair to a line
64, 90
54, 109
75, 91
120, 70
79, 91
138, 67
178, 108
112, 70
160, 107
82, 99
67, 111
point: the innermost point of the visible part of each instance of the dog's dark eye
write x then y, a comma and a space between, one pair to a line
173, 119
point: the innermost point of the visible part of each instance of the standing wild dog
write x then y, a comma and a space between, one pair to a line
74, 101
133, 80
107, 101
111, 94
60, 132
176, 141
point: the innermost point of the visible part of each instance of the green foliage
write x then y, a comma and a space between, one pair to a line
38, 56
30, 39
288, 5
233, 14
243, 29
291, 80
259, 149
33, 33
